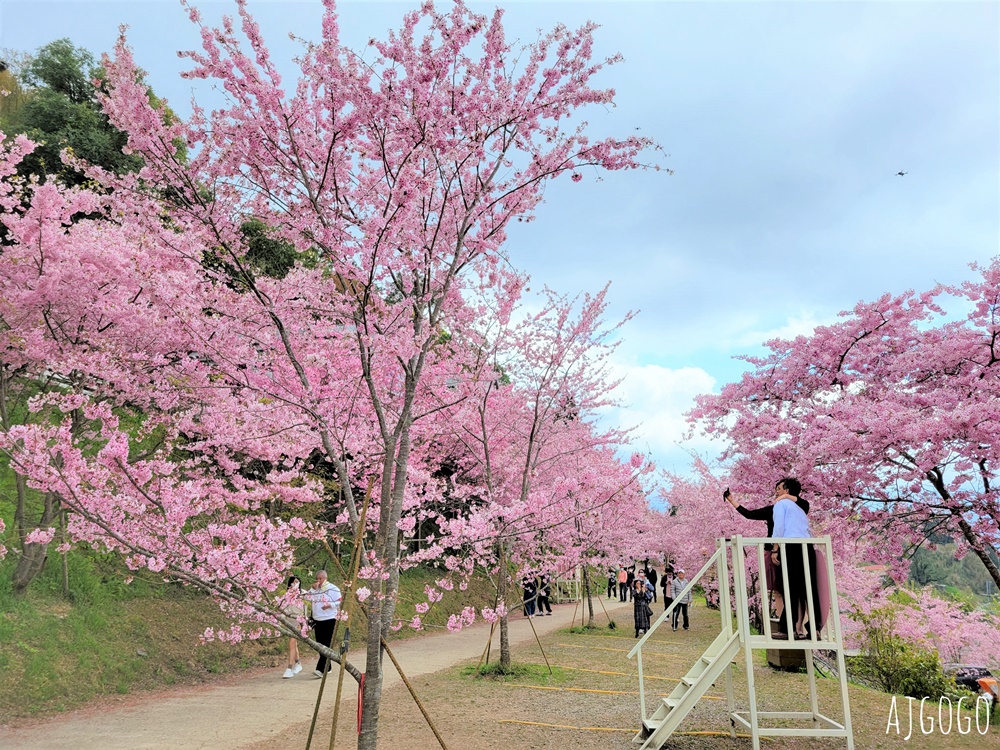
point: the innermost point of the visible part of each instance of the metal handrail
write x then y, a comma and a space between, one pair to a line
637, 649
694, 579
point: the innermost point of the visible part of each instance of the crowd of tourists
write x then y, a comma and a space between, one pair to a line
639, 585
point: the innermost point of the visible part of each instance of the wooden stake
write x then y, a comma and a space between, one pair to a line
355, 564
416, 700
539, 641
489, 642
600, 599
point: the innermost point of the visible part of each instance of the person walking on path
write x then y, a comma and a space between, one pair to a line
530, 595
640, 606
293, 611
679, 584
651, 577
612, 583
667, 584
324, 599
544, 592
622, 584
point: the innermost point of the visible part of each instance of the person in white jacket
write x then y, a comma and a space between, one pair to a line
324, 599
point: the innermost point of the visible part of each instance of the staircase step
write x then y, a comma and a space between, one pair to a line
685, 695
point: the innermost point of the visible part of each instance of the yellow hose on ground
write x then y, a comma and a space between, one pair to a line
617, 650
705, 733
592, 690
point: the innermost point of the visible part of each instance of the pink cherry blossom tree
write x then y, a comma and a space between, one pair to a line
531, 444
889, 417
700, 516
399, 174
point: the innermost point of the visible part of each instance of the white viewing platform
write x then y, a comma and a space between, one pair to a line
729, 564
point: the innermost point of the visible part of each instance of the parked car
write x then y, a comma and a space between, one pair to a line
977, 679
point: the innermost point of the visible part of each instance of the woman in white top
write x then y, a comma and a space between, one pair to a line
294, 611
791, 522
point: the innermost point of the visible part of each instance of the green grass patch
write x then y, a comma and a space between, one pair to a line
611, 629
533, 674
106, 637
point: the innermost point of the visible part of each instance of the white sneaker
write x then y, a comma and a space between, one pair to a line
317, 673
297, 668
289, 674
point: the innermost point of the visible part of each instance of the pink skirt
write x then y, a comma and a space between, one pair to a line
772, 576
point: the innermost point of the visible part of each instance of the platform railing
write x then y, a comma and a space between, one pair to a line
786, 547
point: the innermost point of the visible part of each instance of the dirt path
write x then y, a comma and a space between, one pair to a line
255, 707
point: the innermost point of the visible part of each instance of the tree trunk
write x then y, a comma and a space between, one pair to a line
372, 693
65, 555
590, 600
20, 508
976, 543
32, 563
33, 556
936, 478
380, 614
503, 581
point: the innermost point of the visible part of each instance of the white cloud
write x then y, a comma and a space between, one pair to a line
655, 399
795, 325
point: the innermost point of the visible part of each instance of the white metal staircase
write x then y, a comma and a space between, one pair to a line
672, 710
717, 661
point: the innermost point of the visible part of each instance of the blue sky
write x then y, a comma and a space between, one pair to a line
785, 124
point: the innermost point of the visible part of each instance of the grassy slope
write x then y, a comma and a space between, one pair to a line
108, 638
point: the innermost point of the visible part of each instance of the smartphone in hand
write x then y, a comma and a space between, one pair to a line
725, 494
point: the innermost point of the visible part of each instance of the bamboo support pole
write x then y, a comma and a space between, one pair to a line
319, 699
355, 565
416, 699
600, 601
539, 641
489, 642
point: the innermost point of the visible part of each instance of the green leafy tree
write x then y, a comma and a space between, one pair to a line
893, 664
57, 107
